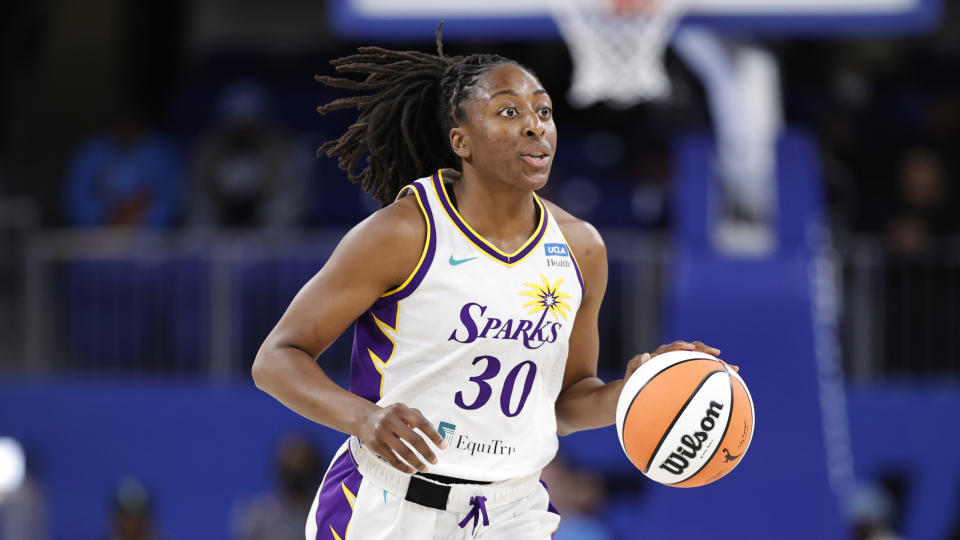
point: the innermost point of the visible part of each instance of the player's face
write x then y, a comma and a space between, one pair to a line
509, 129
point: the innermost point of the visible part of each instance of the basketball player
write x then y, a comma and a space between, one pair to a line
475, 305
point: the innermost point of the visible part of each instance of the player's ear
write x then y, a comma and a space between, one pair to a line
460, 142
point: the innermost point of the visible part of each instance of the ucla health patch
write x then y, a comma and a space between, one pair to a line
556, 250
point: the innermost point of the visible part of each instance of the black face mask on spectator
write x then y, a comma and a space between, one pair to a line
298, 481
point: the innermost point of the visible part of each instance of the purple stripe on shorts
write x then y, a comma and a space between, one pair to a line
333, 508
550, 506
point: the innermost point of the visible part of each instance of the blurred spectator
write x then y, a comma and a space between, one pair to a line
954, 533
916, 280
872, 511
281, 515
23, 513
246, 170
130, 175
580, 496
924, 211
132, 513
23, 504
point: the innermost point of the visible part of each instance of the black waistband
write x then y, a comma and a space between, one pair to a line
430, 494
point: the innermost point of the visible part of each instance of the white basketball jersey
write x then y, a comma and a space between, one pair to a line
476, 339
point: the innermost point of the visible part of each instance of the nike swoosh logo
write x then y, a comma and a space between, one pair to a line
454, 262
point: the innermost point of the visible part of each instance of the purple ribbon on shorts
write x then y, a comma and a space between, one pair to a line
479, 507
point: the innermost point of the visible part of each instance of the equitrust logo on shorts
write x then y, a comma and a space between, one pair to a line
465, 443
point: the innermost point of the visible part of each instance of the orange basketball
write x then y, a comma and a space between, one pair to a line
685, 418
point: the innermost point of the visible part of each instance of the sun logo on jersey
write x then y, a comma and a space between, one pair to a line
547, 298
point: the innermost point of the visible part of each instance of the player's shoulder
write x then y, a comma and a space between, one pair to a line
404, 211
385, 247
399, 227
581, 235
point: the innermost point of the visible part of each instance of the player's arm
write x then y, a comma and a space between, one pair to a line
375, 256
585, 401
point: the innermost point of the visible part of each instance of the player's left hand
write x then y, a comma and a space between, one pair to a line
639, 359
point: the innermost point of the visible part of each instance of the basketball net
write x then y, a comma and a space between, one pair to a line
617, 48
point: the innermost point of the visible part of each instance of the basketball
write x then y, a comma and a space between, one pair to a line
685, 419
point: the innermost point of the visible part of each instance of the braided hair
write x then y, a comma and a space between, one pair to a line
418, 93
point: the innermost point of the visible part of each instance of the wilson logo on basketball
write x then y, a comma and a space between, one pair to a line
675, 414
677, 462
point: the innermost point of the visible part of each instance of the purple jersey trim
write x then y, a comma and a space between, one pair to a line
480, 242
583, 290
334, 509
576, 266
369, 336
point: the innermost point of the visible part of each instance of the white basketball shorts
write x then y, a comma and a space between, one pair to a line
364, 498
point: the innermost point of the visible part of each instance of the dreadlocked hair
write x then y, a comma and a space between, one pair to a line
418, 93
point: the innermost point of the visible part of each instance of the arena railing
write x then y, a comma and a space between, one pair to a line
117, 302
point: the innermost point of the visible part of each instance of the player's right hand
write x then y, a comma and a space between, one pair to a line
385, 430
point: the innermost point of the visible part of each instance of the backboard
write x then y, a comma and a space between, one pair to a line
392, 20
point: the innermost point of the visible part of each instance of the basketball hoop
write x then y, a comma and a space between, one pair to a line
617, 48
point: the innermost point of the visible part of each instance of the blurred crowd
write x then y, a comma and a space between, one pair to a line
222, 134
887, 117
244, 171
219, 133
187, 122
